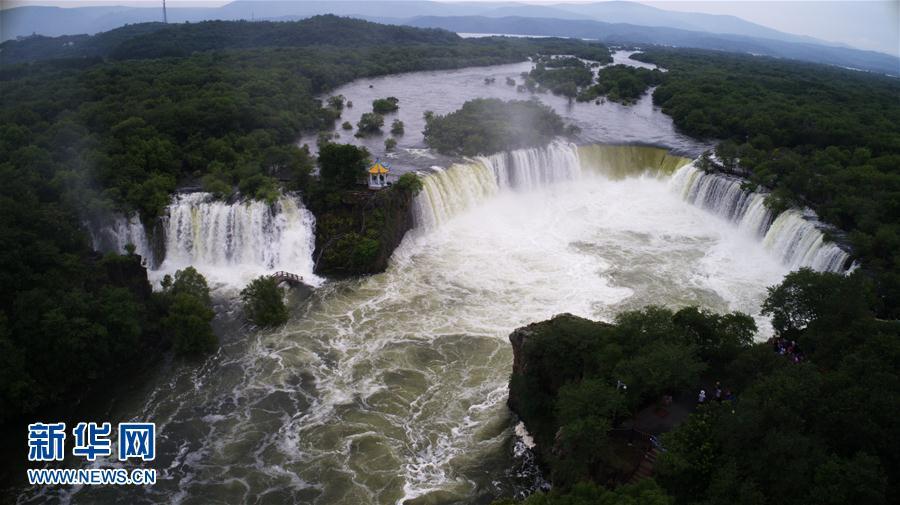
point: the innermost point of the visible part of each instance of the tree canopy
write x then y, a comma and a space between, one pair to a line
489, 125
264, 302
808, 426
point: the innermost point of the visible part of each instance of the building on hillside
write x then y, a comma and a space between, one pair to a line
378, 175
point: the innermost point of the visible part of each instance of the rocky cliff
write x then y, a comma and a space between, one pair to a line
358, 230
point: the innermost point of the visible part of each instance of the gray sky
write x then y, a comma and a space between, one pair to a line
865, 24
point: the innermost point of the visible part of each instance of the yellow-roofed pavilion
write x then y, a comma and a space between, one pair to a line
378, 174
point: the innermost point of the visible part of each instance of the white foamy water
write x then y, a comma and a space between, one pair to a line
794, 236
233, 242
392, 388
228, 242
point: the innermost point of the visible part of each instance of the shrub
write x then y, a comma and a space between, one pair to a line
188, 321
189, 312
264, 302
336, 102
409, 183
370, 122
385, 105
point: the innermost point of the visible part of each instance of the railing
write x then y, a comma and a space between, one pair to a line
287, 276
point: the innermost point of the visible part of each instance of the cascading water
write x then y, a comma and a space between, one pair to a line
115, 233
618, 162
232, 240
451, 191
391, 388
794, 236
227, 241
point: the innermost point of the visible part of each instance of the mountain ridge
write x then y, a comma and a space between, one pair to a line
23, 21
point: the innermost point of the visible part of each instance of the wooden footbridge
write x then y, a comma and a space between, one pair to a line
291, 279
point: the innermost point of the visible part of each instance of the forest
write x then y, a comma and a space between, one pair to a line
562, 76
810, 425
490, 125
816, 136
129, 116
81, 137
622, 83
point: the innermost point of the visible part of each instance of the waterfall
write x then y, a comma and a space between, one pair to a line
447, 192
795, 236
724, 196
230, 241
112, 234
450, 191
619, 162
245, 235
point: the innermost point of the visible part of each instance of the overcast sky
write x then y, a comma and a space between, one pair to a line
866, 24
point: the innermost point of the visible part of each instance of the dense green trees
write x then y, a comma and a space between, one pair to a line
409, 183
566, 385
83, 137
622, 83
646, 492
385, 105
797, 433
69, 320
562, 76
812, 432
264, 302
342, 166
369, 123
188, 312
816, 136
489, 125
123, 134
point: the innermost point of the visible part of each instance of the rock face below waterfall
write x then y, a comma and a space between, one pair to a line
534, 374
357, 231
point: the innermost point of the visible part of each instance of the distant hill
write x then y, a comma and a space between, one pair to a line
52, 21
621, 33
156, 40
622, 22
645, 15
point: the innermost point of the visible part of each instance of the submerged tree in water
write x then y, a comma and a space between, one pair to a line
370, 122
264, 302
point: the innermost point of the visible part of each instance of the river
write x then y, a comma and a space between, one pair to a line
445, 91
391, 388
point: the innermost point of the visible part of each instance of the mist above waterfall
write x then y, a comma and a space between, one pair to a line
228, 242
794, 237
